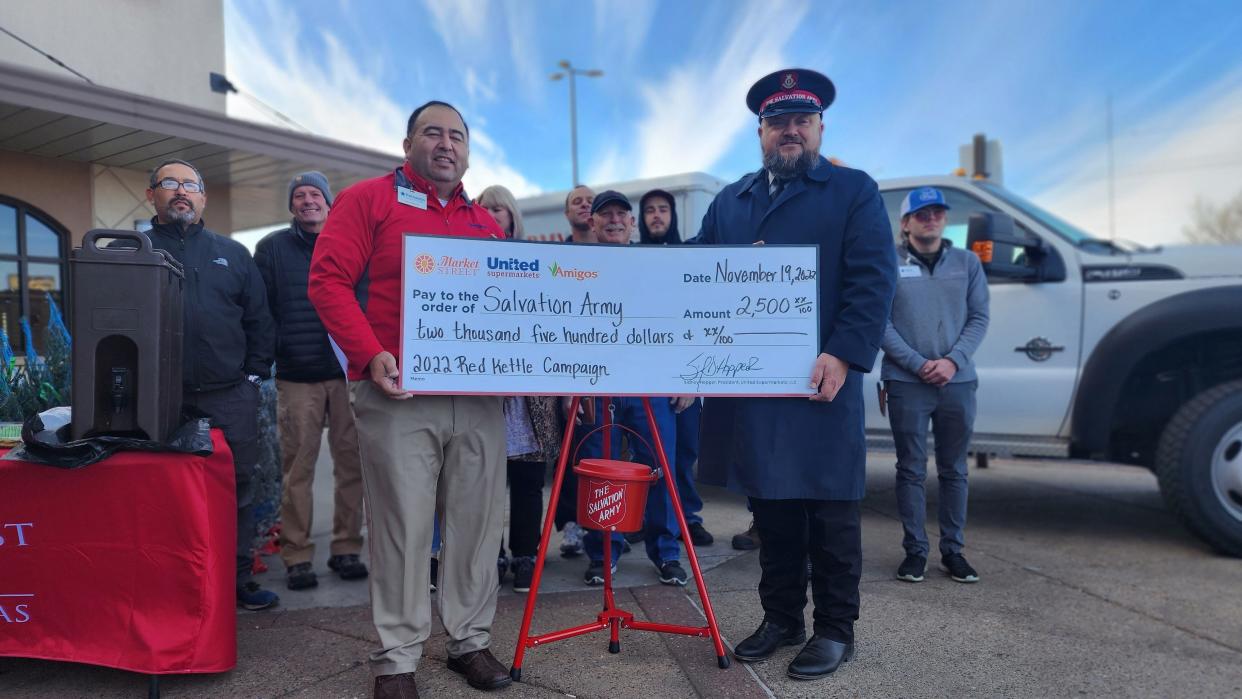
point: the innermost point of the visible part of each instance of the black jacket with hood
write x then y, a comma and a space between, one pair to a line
303, 353
228, 332
673, 237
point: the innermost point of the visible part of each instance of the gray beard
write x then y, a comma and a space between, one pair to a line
185, 218
789, 168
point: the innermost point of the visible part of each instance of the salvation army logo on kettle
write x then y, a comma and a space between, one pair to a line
605, 503
424, 264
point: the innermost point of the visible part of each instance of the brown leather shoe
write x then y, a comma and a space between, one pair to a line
395, 686
482, 670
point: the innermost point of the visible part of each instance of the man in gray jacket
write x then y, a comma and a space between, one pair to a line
940, 315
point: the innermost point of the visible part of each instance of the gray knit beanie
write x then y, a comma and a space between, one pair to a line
313, 178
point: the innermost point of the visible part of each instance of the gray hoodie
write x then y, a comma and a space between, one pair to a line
936, 314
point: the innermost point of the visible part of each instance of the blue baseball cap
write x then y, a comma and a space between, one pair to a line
922, 198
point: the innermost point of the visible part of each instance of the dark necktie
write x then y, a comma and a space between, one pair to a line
775, 191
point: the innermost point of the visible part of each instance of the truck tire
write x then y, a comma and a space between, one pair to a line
1199, 466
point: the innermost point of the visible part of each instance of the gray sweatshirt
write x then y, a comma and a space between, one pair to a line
940, 313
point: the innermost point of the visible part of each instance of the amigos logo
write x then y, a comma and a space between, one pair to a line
576, 274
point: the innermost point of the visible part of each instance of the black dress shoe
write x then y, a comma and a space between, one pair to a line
482, 670
395, 687
761, 644
819, 658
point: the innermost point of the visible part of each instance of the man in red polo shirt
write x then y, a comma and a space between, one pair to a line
413, 448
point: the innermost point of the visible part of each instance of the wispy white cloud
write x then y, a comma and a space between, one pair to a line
621, 28
522, 28
479, 90
943, 84
461, 24
1176, 70
488, 166
607, 168
469, 30
705, 97
332, 94
1058, 147
1191, 148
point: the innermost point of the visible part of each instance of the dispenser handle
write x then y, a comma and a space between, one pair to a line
144, 243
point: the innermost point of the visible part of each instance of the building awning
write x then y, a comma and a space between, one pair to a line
64, 118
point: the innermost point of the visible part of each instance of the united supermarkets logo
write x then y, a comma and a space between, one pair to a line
512, 267
577, 274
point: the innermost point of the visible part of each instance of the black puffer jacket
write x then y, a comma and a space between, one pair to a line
228, 329
303, 353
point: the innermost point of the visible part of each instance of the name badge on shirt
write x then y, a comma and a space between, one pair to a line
907, 271
409, 197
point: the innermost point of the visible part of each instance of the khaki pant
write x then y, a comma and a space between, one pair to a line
300, 413
415, 452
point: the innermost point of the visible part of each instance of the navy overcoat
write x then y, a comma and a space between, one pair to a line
792, 448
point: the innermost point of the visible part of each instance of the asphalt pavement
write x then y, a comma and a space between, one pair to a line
1089, 587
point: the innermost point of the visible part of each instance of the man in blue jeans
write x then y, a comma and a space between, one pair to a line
660, 528
939, 318
688, 421
657, 225
613, 221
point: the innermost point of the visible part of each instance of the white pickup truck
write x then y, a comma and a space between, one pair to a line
1095, 350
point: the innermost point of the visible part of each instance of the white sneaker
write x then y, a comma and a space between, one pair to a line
571, 540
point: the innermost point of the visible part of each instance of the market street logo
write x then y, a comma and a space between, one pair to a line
578, 274
512, 267
447, 264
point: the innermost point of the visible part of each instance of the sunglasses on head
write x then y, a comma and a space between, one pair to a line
931, 213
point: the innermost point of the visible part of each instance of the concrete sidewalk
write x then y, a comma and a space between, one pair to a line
1089, 587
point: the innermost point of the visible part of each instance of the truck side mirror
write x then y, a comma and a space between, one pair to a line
1002, 248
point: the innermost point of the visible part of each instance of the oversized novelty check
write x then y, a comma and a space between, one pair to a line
525, 318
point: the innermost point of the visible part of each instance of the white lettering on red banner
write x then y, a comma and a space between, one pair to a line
21, 533
15, 606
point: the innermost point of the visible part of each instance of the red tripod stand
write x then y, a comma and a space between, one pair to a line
613, 618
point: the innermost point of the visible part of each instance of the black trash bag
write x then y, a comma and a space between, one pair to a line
49, 444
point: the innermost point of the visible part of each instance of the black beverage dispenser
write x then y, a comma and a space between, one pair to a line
126, 326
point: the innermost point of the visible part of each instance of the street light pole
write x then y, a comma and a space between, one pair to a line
569, 71
573, 123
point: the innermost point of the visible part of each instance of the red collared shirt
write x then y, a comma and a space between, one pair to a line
355, 274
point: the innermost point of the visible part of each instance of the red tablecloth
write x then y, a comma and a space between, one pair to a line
127, 563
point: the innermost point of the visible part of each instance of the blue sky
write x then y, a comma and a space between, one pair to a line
914, 81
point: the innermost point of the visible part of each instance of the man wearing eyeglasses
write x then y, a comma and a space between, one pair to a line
228, 338
939, 318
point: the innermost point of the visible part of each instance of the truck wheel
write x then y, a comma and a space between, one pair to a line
1199, 465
